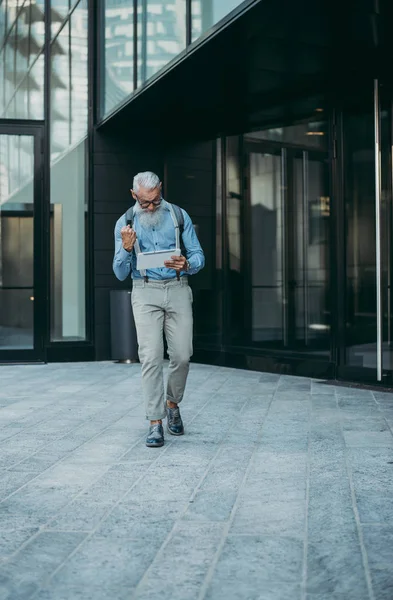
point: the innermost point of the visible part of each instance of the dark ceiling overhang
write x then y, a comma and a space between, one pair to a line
273, 63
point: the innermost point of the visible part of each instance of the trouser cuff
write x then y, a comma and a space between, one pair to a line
156, 418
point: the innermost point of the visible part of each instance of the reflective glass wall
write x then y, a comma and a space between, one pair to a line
68, 206
22, 37
161, 30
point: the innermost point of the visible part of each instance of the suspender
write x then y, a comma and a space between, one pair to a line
130, 218
177, 232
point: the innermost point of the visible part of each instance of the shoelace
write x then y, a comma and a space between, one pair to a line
174, 414
155, 429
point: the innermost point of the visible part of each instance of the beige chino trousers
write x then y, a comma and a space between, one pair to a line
163, 306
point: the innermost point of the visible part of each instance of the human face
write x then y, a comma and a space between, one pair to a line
148, 200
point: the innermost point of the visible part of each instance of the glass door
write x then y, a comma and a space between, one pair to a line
286, 249
22, 280
368, 217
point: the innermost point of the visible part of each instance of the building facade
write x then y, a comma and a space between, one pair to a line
269, 121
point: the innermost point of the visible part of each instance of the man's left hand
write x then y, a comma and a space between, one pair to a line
179, 263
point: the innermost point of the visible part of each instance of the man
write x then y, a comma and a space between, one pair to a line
161, 299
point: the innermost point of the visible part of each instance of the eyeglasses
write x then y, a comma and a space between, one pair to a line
146, 203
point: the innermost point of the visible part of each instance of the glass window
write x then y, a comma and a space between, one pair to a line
16, 242
119, 52
161, 34
68, 203
59, 11
206, 13
22, 31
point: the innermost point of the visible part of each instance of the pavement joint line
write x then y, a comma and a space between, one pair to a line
171, 533
308, 469
213, 564
363, 551
92, 532
61, 459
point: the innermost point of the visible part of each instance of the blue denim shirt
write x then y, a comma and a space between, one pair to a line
150, 240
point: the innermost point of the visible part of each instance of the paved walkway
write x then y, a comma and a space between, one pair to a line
282, 489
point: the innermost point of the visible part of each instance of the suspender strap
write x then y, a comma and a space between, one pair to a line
177, 232
176, 224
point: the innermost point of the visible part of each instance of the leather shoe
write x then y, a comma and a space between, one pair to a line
155, 437
175, 423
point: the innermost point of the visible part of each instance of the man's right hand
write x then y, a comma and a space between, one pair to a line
128, 236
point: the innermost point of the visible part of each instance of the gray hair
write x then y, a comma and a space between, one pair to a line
147, 180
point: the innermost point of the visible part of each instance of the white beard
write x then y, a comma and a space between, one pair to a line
149, 219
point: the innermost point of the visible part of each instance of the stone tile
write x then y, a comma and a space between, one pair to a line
11, 481
137, 515
374, 508
344, 391
335, 565
11, 541
254, 565
382, 583
271, 487
350, 595
270, 517
192, 563
322, 389
361, 405
211, 506
113, 565
266, 591
371, 460
368, 438
378, 542
365, 424
39, 558
330, 505
383, 398
279, 462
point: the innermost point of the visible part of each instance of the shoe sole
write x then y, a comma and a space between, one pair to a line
155, 445
176, 434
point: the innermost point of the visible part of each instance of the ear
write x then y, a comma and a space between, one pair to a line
133, 194
160, 186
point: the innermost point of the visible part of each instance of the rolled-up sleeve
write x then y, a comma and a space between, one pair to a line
194, 252
122, 259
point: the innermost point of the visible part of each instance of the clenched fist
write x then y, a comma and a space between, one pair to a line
128, 236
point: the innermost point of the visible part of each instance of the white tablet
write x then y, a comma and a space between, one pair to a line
155, 260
